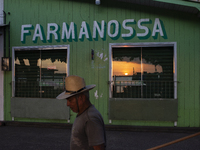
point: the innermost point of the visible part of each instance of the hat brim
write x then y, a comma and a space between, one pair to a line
65, 95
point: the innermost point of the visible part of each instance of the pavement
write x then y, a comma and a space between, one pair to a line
56, 137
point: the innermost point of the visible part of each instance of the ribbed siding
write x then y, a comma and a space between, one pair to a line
181, 28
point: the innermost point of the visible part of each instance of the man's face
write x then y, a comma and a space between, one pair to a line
71, 102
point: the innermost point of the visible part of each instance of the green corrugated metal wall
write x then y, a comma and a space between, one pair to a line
180, 27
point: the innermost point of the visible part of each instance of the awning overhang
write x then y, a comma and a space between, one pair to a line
177, 5
4, 25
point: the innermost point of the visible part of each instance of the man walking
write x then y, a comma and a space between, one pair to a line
88, 131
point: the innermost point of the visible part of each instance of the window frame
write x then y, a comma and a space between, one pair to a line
29, 48
145, 44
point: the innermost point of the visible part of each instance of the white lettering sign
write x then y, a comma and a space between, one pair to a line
25, 30
100, 31
83, 30
52, 31
115, 26
38, 33
113, 30
143, 27
65, 33
127, 27
159, 29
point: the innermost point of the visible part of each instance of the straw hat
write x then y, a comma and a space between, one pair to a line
74, 85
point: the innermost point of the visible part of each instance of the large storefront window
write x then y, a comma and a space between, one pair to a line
143, 72
40, 72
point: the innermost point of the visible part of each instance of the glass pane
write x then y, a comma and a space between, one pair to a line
143, 72
158, 72
127, 72
40, 73
27, 73
53, 71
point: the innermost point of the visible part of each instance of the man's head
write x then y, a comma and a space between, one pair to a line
78, 103
76, 93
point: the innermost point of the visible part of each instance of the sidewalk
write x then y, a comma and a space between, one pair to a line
13, 137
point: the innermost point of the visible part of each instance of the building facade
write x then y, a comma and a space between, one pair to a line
143, 57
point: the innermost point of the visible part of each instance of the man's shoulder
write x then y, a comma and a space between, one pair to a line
93, 110
93, 113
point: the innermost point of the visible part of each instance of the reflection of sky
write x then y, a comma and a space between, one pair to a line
122, 67
26, 62
60, 66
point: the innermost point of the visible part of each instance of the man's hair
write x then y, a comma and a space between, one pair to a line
86, 93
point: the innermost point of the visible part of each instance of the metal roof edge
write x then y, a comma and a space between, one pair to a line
177, 5
186, 3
